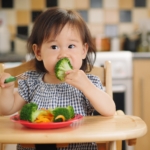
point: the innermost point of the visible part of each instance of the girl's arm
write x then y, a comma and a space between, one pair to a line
10, 102
99, 99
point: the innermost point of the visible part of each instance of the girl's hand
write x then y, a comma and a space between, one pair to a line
4, 76
78, 79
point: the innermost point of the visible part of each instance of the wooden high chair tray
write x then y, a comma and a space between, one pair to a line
51, 125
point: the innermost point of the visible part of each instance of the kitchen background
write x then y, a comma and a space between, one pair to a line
115, 24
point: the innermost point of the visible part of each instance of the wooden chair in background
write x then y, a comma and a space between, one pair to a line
104, 73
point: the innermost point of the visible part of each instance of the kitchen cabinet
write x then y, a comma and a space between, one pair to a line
141, 97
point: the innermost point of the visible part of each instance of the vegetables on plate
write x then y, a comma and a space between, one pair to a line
66, 112
31, 113
61, 67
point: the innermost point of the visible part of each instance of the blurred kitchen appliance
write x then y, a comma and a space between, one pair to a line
121, 79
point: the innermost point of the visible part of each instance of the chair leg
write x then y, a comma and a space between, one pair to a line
102, 146
119, 145
62, 145
28, 145
131, 142
112, 145
2, 146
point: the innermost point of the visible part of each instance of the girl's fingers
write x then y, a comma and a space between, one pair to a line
2, 79
69, 71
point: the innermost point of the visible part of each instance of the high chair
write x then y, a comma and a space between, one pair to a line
104, 73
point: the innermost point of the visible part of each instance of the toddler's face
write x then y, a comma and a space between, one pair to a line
68, 44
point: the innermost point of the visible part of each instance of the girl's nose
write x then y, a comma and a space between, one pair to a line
62, 55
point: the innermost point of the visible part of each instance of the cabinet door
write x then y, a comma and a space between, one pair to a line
141, 98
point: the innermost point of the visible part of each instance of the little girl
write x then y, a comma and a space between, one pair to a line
59, 33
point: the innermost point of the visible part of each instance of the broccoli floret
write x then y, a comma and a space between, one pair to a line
29, 112
61, 111
61, 67
67, 112
71, 111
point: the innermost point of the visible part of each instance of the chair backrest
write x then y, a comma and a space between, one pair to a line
104, 73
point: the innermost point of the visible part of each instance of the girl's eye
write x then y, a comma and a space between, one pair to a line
54, 47
71, 46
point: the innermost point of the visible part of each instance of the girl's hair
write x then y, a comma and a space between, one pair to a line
50, 23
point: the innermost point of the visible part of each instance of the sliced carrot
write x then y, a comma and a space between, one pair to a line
44, 117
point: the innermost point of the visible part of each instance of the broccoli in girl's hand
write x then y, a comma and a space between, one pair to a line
61, 67
31, 113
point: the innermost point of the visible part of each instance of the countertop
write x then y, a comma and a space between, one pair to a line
11, 57
141, 55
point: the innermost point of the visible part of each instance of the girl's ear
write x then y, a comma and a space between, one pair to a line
37, 52
85, 50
